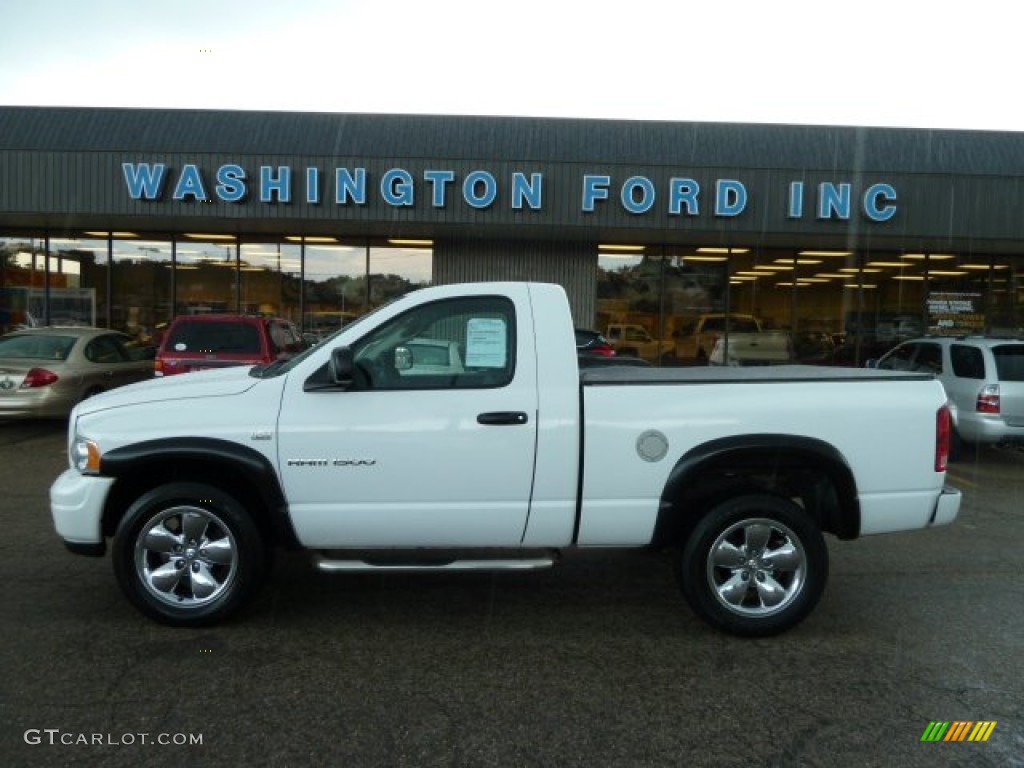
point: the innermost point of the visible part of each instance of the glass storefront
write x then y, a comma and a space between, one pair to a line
138, 282
837, 307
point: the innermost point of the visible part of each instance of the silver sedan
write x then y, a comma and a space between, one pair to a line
44, 372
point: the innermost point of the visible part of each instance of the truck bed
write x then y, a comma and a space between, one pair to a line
628, 375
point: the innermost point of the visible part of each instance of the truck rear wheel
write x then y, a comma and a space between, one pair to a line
187, 554
754, 565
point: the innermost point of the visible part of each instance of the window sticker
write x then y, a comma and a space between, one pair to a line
485, 343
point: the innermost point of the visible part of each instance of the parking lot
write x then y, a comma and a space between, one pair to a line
597, 662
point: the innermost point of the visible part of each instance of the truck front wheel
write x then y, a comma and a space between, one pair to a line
754, 565
187, 554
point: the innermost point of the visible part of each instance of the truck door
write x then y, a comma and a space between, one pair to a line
433, 443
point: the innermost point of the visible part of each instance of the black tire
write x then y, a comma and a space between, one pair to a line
754, 565
188, 554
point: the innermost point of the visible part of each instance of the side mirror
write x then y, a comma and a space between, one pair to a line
872, 363
403, 358
342, 366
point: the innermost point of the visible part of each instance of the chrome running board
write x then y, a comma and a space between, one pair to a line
429, 560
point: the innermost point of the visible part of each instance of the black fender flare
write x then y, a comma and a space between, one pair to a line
171, 458
763, 452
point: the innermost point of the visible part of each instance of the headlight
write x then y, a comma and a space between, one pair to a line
85, 455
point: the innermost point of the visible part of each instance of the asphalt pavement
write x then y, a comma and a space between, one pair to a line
597, 662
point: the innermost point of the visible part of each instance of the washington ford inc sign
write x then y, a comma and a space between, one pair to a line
481, 189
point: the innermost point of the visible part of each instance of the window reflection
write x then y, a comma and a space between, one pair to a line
838, 307
206, 276
396, 270
335, 286
268, 275
140, 285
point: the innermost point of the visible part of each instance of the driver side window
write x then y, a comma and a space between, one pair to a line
464, 343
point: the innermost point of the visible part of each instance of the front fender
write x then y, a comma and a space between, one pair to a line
237, 468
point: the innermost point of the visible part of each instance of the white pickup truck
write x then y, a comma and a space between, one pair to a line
733, 339
500, 460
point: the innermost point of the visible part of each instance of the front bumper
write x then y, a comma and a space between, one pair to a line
947, 506
76, 503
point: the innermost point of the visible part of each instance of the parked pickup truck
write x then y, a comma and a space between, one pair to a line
369, 462
732, 339
760, 348
633, 340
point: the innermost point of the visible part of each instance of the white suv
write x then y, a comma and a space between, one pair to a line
983, 376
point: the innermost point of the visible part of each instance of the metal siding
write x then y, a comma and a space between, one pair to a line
886, 150
61, 168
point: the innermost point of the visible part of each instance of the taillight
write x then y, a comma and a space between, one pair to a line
38, 377
988, 399
607, 350
158, 367
943, 433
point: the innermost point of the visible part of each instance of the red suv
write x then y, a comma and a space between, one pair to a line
197, 342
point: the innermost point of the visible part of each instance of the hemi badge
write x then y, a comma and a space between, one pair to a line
262, 434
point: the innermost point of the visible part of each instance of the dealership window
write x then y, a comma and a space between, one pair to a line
334, 283
397, 267
140, 285
269, 276
57, 281
206, 274
344, 280
839, 306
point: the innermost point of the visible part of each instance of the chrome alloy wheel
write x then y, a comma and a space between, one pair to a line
186, 556
756, 567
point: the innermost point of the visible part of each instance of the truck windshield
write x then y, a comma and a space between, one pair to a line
279, 367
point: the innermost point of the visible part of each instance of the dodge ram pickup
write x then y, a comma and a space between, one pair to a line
500, 457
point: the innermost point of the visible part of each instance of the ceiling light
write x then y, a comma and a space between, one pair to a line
426, 243
208, 236
111, 234
896, 264
305, 238
834, 275
858, 285
908, 277
854, 270
605, 247
825, 253
798, 261
945, 273
934, 256
723, 250
706, 258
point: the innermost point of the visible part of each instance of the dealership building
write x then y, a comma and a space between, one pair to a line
850, 238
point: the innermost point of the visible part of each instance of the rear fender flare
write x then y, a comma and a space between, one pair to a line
716, 469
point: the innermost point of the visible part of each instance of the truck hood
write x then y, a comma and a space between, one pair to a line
219, 382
